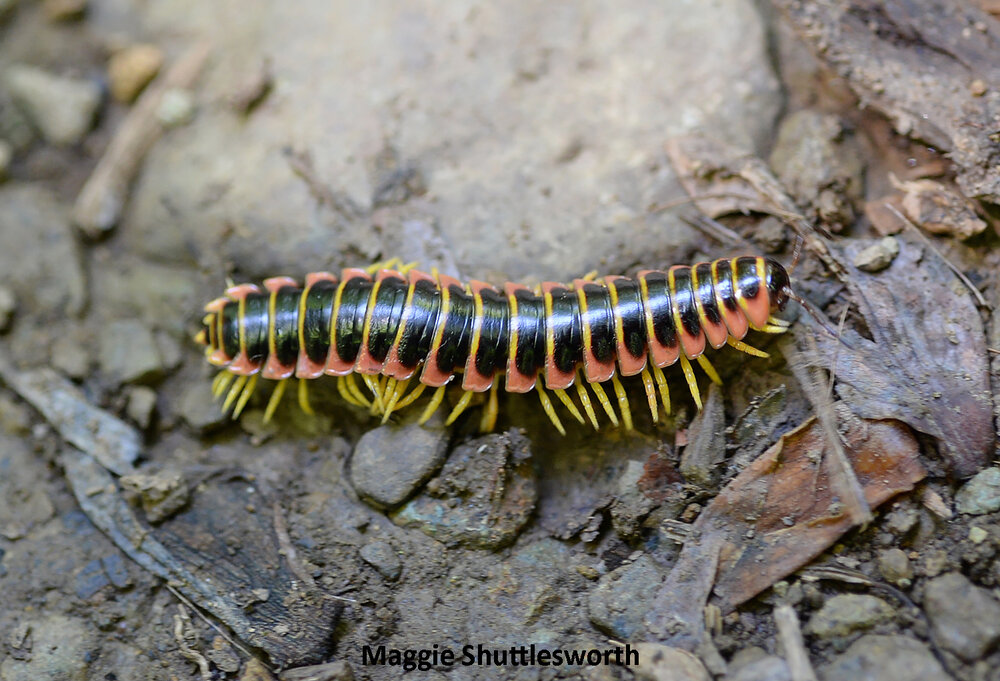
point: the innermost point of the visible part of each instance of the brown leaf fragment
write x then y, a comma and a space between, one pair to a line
709, 168
926, 364
777, 515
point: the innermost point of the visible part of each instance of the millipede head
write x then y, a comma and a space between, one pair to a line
778, 284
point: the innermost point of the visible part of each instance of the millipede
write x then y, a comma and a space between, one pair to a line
389, 322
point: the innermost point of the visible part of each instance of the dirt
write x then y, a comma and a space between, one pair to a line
143, 535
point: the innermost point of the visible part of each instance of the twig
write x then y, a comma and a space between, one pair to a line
790, 636
222, 632
927, 242
288, 550
182, 623
102, 199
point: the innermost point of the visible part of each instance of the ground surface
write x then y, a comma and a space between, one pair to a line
514, 141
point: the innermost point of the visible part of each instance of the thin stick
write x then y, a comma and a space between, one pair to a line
790, 636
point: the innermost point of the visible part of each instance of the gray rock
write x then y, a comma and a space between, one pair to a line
630, 505
483, 496
161, 494
555, 88
768, 668
40, 260
176, 108
884, 658
965, 618
619, 602
59, 649
392, 461
981, 494
847, 613
69, 355
128, 352
199, 410
141, 401
63, 109
878, 256
381, 556
895, 567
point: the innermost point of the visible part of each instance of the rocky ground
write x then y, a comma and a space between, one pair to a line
151, 152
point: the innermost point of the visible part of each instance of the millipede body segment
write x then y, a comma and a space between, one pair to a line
397, 328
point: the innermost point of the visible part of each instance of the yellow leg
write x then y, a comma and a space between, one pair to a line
590, 276
433, 406
602, 397
411, 398
692, 383
304, 397
709, 369
222, 383
272, 404
245, 396
777, 321
773, 328
398, 388
384, 265
549, 409
373, 385
622, 403
403, 269
647, 383
565, 399
743, 347
661, 384
489, 417
585, 400
234, 392
459, 408
345, 392
359, 397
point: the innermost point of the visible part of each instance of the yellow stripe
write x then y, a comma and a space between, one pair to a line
406, 313
514, 323
218, 331
477, 326
442, 320
762, 276
702, 317
648, 312
366, 329
240, 319
272, 305
619, 328
302, 319
675, 308
719, 302
333, 318
550, 335
584, 323
739, 292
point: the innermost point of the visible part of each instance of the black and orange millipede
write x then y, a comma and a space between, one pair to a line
396, 327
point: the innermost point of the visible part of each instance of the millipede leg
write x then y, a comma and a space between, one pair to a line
622, 402
661, 384
403, 269
549, 409
459, 408
590, 276
221, 383
743, 347
372, 383
411, 398
345, 392
272, 403
709, 369
777, 321
304, 397
359, 398
397, 391
602, 397
565, 399
489, 417
245, 396
234, 392
773, 328
689, 376
433, 406
647, 383
585, 400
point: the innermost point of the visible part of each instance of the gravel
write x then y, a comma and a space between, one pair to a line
381, 556
884, 658
878, 256
847, 613
59, 649
981, 494
128, 352
895, 567
411, 451
621, 599
130, 70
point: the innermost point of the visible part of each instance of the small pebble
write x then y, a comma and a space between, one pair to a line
198, 408
895, 567
977, 87
128, 352
162, 494
6, 156
64, 10
977, 535
8, 305
412, 452
621, 599
69, 355
131, 69
965, 618
381, 556
846, 613
63, 109
940, 210
176, 108
878, 256
885, 658
981, 494
140, 405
